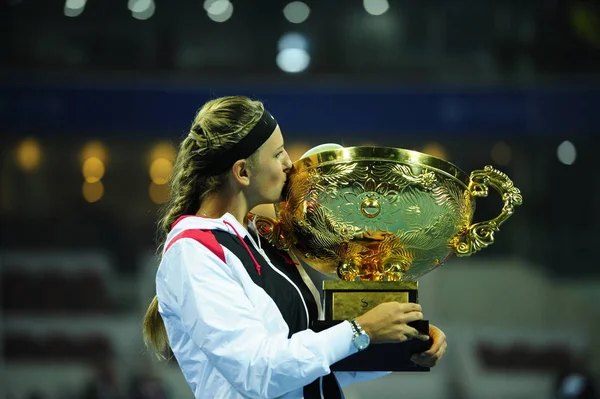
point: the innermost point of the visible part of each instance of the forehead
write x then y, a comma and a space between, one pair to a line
274, 141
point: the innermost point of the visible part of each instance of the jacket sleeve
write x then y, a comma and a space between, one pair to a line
222, 321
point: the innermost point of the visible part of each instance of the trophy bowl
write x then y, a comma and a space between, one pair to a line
373, 213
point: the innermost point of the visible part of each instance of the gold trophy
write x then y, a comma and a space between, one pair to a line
378, 218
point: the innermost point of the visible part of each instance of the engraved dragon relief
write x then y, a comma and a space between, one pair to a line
412, 215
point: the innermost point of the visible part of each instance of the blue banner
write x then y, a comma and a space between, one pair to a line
167, 110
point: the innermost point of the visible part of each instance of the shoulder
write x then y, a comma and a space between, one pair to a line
193, 257
196, 253
205, 238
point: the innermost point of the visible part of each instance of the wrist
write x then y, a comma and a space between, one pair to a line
365, 325
360, 338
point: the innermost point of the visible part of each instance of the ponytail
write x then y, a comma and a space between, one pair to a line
154, 332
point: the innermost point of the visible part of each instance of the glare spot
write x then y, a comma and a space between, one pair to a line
566, 153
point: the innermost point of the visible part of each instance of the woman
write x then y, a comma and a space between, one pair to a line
235, 310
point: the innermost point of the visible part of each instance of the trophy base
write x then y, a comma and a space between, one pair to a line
382, 357
346, 300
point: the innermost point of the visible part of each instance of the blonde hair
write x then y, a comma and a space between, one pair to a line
218, 125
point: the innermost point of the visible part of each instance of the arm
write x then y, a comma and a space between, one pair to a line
222, 321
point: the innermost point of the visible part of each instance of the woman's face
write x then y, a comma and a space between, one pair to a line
271, 169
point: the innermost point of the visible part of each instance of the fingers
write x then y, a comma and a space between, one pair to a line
408, 312
410, 307
425, 360
435, 347
432, 356
423, 337
439, 340
388, 322
410, 333
438, 353
409, 317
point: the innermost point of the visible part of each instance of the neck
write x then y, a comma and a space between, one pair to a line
215, 206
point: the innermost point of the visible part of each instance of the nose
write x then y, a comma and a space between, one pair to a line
287, 163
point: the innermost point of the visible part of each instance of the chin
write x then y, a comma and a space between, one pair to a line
271, 199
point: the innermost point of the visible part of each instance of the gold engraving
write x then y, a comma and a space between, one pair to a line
349, 305
370, 208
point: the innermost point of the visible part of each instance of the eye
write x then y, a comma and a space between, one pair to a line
280, 153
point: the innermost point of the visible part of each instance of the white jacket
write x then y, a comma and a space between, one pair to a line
228, 335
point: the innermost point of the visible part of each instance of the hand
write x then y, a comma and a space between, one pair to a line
432, 356
387, 322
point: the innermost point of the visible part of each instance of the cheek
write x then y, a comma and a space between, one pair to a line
277, 174
269, 180
275, 180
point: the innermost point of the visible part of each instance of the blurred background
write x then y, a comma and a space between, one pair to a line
95, 96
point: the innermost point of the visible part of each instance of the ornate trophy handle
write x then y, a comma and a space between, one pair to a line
480, 235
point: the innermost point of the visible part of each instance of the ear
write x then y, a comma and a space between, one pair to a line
241, 173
